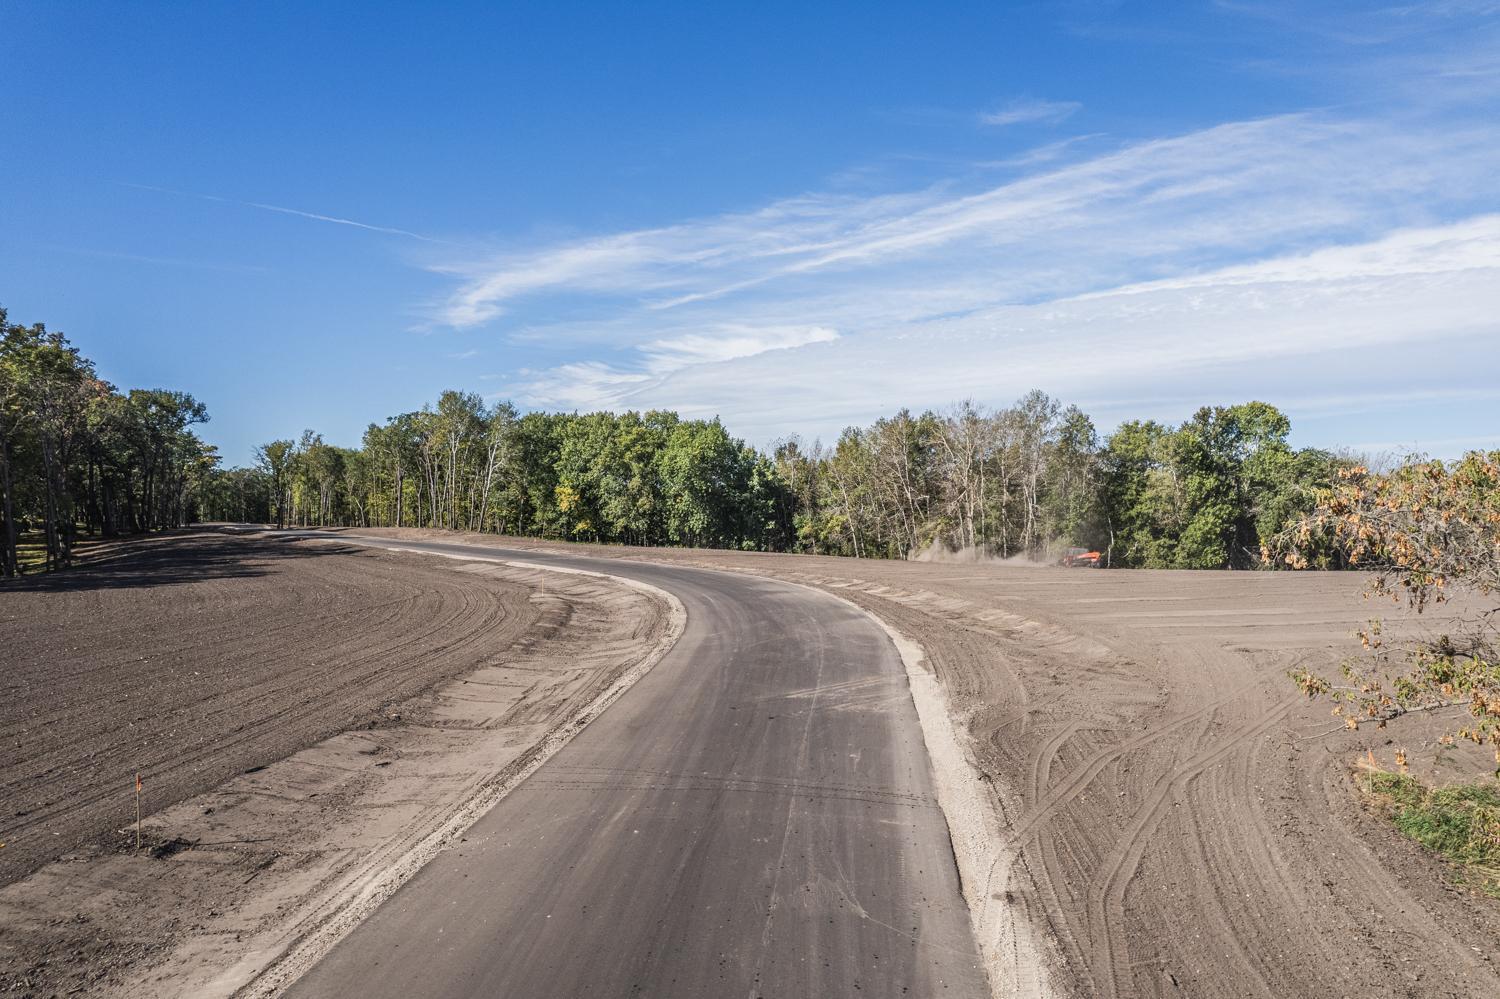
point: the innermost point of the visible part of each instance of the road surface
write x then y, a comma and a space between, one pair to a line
756, 817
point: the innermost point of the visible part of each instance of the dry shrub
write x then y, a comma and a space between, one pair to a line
1425, 531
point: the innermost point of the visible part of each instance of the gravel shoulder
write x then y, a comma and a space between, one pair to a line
309, 717
1176, 819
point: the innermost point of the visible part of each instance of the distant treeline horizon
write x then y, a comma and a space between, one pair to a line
1024, 480
79, 458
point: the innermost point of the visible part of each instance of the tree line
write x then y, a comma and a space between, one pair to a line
632, 478
1025, 480
77, 456
80, 458
1035, 477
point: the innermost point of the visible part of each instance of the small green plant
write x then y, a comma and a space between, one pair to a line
1460, 823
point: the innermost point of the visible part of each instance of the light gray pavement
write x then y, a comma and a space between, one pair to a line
755, 817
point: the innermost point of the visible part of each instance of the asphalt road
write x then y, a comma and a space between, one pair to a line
756, 817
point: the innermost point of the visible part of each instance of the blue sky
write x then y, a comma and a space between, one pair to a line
795, 216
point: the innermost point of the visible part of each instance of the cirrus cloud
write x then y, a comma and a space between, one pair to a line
1230, 260
1024, 110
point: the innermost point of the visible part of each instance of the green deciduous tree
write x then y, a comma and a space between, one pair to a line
77, 455
1025, 480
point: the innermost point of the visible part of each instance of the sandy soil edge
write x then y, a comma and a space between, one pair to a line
1008, 945
363, 896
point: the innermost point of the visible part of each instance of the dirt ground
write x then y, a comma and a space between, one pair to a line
313, 721
1183, 821
202, 655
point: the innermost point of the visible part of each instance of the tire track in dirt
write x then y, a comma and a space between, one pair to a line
1106, 905
1077, 780
1041, 763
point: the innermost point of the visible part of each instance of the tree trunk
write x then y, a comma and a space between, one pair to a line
7, 509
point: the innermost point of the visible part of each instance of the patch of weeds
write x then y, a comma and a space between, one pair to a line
1460, 823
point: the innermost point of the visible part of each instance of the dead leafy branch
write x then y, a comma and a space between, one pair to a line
1426, 532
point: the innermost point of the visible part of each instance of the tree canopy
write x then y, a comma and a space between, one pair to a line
1026, 480
77, 455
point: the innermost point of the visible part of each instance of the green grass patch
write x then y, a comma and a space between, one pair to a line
1460, 823
31, 550
31, 557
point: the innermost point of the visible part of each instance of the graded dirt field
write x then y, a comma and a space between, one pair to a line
196, 657
1175, 819
315, 723
1181, 821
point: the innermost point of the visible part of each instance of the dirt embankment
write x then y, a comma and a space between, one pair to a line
223, 667
1180, 821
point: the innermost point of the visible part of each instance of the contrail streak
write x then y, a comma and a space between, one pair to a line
290, 211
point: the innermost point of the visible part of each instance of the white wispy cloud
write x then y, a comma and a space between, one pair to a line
1472, 244
1233, 260
730, 343
582, 385
1029, 109
1367, 26
1352, 330
1235, 188
594, 383
1043, 154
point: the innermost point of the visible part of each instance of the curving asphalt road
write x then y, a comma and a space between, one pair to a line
755, 817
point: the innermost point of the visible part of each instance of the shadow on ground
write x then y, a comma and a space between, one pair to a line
189, 556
